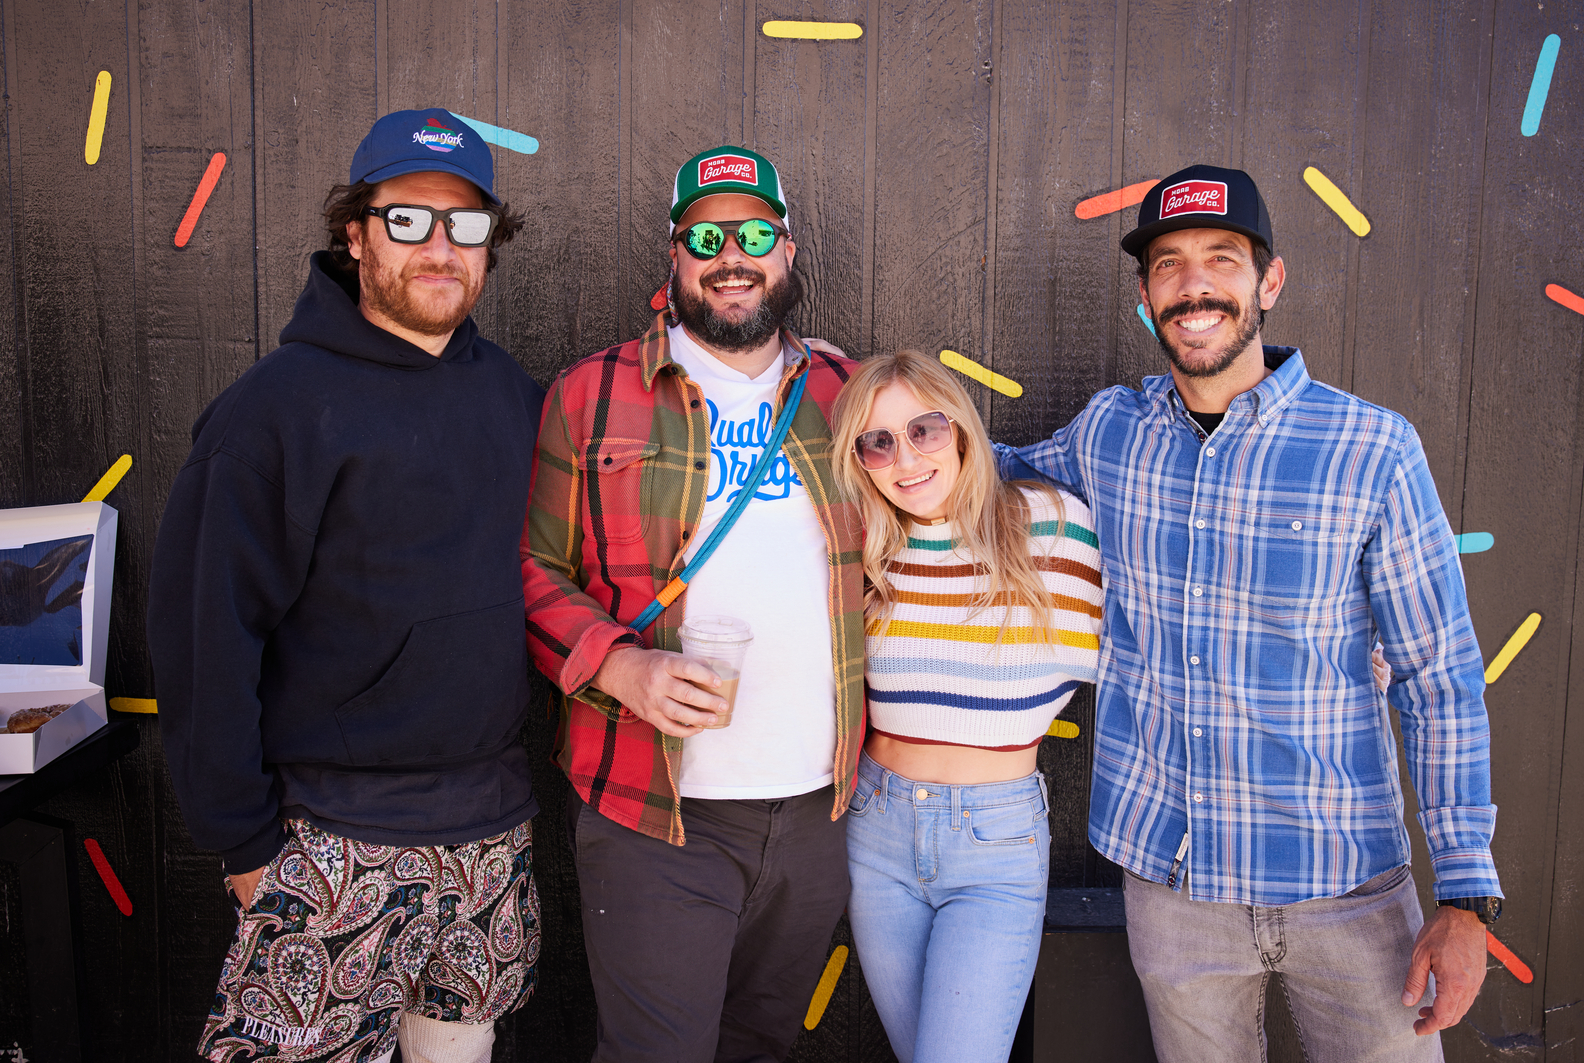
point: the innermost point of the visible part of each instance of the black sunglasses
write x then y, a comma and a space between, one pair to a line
706, 239
409, 224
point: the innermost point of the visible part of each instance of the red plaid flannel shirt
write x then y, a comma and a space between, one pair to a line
619, 485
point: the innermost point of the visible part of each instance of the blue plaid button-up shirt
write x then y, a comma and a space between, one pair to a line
1247, 577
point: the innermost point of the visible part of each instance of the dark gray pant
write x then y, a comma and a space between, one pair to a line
709, 952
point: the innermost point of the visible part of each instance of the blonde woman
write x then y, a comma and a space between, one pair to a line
983, 616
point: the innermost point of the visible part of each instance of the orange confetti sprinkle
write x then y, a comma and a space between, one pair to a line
1559, 294
189, 220
1520, 970
1111, 202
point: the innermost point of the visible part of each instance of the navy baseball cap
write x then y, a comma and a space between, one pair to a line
428, 141
1201, 197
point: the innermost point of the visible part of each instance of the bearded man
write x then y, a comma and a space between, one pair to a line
1258, 530
335, 617
707, 951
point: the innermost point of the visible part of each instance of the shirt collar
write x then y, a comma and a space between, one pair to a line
1269, 397
654, 351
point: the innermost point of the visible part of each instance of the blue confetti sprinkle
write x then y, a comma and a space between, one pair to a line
506, 138
1540, 87
1144, 317
1475, 542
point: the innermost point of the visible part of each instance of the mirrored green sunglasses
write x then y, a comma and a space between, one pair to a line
706, 239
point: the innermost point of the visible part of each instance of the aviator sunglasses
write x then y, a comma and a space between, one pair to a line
408, 224
926, 433
706, 239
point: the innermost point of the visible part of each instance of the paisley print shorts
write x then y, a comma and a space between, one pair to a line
345, 936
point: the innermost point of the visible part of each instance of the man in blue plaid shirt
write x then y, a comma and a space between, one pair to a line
1259, 530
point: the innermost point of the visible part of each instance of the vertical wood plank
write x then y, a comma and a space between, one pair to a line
931, 167
809, 117
314, 98
686, 89
1522, 483
15, 432
558, 280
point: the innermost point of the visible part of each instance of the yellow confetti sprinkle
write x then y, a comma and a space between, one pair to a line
1519, 640
970, 368
96, 118
134, 705
814, 31
827, 986
1332, 197
1063, 729
108, 481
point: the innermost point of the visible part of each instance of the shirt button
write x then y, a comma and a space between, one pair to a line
1297, 525
1193, 660
1209, 452
1197, 591
1199, 524
1197, 732
1198, 799
922, 793
698, 464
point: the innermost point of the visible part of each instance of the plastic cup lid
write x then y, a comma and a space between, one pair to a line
719, 629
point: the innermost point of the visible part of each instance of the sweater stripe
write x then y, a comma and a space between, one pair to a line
940, 667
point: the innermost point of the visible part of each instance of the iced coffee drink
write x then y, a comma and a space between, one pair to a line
721, 643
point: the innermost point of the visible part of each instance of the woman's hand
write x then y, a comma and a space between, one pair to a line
1383, 672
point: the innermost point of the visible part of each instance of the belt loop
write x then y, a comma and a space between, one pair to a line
1044, 786
956, 812
885, 787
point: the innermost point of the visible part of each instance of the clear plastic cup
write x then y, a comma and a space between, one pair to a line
721, 642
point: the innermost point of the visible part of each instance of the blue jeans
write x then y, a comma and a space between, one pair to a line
947, 908
1343, 961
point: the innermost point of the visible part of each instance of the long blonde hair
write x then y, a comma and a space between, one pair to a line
990, 517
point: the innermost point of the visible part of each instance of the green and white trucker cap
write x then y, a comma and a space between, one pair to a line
726, 169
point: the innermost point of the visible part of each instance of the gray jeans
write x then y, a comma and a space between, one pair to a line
1343, 961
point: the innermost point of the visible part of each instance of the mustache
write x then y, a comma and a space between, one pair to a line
736, 272
1208, 304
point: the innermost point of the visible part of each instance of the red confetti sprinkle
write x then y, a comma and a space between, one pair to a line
658, 300
1519, 968
108, 876
1568, 299
189, 220
1111, 202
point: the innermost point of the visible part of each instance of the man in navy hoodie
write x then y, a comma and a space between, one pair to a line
336, 621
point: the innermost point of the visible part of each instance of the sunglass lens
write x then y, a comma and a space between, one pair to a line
470, 228
876, 450
705, 240
409, 225
929, 432
756, 237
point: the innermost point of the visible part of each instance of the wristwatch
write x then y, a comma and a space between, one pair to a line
1487, 908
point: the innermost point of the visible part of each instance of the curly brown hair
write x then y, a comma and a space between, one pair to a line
345, 205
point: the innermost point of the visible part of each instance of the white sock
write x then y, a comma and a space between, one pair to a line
426, 1040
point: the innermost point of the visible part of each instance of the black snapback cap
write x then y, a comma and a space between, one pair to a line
1201, 197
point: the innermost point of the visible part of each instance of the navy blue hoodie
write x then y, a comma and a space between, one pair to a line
335, 606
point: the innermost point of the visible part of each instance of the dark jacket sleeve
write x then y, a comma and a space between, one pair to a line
229, 562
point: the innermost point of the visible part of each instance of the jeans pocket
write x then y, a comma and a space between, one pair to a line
1004, 824
1384, 882
863, 799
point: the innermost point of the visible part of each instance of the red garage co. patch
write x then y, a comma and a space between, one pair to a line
1194, 197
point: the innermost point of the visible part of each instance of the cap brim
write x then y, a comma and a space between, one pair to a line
739, 190
1136, 241
436, 165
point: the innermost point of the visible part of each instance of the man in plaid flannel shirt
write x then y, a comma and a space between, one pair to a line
712, 861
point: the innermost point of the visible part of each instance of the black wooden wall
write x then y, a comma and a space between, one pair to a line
934, 165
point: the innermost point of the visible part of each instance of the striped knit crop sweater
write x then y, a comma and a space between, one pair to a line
935, 673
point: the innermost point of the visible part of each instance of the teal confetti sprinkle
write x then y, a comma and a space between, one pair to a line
1540, 87
506, 138
1144, 317
1475, 542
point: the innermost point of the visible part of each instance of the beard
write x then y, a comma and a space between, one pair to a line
389, 291
1248, 328
753, 328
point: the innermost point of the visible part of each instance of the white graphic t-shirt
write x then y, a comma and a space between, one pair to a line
771, 570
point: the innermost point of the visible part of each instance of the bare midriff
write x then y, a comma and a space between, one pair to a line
950, 765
